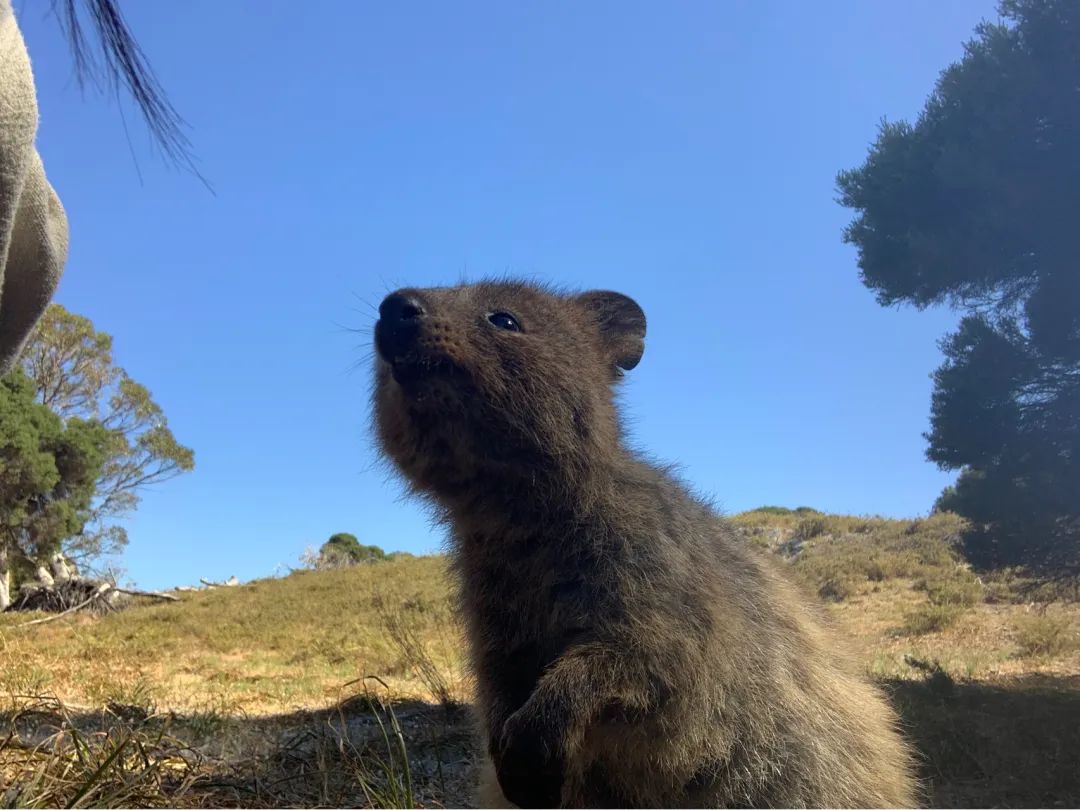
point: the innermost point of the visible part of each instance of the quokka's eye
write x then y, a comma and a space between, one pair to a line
504, 320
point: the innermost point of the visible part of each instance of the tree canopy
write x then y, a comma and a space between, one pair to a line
973, 206
47, 474
71, 368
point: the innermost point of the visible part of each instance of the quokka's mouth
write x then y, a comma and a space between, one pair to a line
413, 369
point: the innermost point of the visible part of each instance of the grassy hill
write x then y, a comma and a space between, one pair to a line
268, 646
345, 687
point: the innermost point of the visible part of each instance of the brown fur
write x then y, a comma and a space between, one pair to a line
629, 650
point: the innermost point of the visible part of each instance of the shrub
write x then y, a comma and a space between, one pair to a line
836, 589
931, 618
957, 590
851, 549
998, 591
1045, 634
343, 549
876, 571
809, 528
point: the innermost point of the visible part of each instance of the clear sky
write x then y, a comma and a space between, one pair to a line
683, 153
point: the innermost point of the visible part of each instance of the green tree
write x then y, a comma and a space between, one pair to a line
973, 206
344, 549
71, 366
48, 469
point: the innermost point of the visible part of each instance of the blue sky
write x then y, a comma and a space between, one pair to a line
684, 154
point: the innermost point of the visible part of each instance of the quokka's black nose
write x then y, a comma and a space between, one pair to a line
400, 316
401, 307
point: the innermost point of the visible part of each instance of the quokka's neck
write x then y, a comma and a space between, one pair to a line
531, 502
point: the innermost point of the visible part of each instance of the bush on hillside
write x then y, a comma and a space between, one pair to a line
1045, 633
931, 618
343, 550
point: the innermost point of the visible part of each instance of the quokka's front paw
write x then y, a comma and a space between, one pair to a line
529, 762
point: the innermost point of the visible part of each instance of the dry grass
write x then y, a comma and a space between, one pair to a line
259, 695
363, 751
116, 764
262, 695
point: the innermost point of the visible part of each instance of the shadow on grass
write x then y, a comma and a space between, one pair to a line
361, 753
1007, 744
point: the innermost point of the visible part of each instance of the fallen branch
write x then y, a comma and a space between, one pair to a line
79, 594
229, 583
101, 589
151, 594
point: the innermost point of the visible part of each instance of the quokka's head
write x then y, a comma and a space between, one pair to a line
499, 379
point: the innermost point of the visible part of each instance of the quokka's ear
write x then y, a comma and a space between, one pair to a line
621, 322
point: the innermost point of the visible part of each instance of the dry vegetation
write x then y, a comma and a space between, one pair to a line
346, 687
